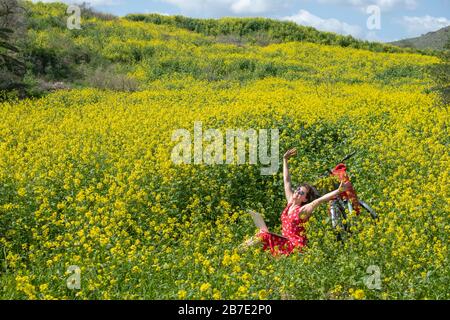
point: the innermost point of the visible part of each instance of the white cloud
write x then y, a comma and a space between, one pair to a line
385, 5
224, 7
421, 25
306, 18
250, 6
90, 2
147, 11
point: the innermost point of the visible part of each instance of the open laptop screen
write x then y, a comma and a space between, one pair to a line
259, 221
261, 225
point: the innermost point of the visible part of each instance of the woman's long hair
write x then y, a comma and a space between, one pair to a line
312, 193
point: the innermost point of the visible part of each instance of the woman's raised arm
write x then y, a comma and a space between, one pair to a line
286, 176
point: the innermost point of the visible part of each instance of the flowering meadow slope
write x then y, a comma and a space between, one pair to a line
86, 179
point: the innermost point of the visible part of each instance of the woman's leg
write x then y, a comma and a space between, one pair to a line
256, 239
252, 241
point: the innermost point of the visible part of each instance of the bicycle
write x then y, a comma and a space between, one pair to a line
346, 201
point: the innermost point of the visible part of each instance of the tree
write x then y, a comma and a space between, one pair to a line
440, 72
447, 45
11, 27
7, 50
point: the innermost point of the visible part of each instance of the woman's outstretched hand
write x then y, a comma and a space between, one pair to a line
290, 153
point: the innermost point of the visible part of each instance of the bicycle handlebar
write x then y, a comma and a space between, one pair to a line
348, 156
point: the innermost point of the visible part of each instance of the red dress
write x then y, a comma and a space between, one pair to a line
293, 233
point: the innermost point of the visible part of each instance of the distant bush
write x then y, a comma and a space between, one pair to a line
37, 87
88, 13
261, 31
402, 71
440, 72
231, 39
128, 51
110, 78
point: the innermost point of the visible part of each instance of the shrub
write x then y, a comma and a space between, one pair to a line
110, 78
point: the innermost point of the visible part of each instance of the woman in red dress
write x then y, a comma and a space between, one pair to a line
301, 204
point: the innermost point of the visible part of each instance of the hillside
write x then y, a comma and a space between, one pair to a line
432, 40
90, 177
260, 31
129, 53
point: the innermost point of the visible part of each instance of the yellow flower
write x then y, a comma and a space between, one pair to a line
216, 294
43, 287
262, 294
243, 290
135, 269
205, 287
235, 258
358, 294
182, 294
22, 192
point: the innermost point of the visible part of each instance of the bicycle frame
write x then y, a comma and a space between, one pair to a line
336, 209
340, 171
348, 198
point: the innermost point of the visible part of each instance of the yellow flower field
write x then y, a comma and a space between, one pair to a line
86, 179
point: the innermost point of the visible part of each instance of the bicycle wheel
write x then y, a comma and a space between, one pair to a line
372, 212
342, 206
338, 215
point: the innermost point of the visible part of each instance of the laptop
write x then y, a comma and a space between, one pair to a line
261, 224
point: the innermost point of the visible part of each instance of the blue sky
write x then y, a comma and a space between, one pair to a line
397, 19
